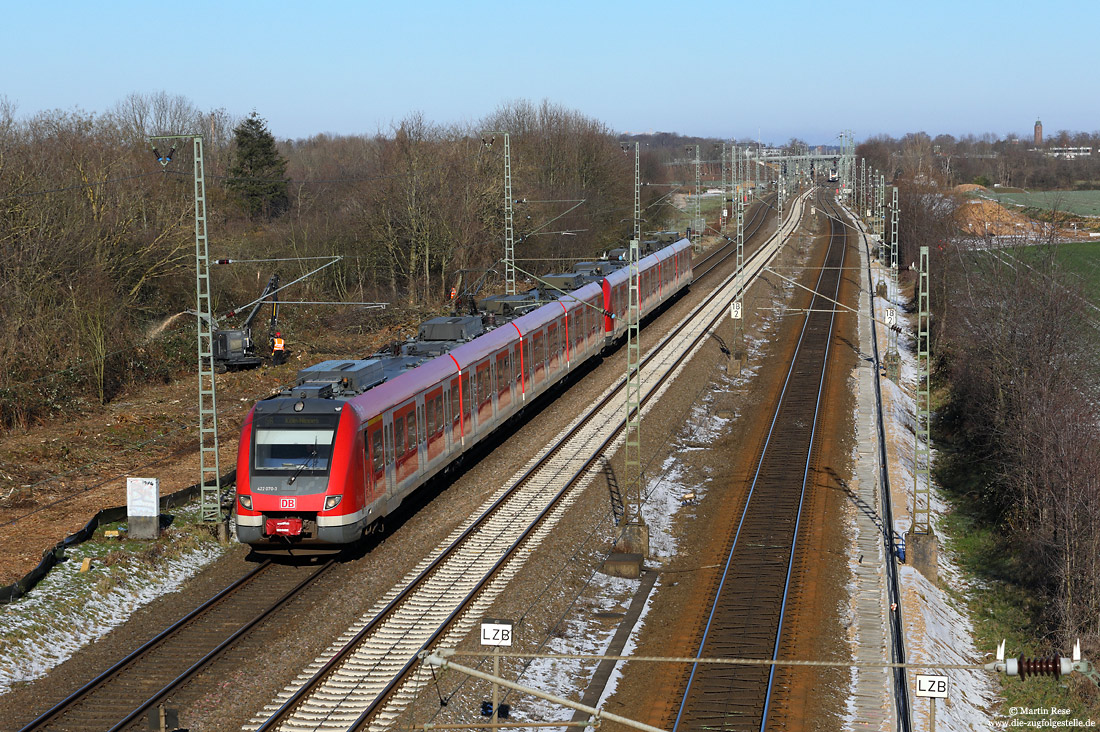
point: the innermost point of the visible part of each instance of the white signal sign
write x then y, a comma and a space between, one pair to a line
496, 632
933, 686
735, 310
891, 317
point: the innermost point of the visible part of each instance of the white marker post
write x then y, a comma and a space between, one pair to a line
933, 687
496, 633
143, 507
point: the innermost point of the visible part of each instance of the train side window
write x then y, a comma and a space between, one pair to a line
432, 421
420, 423
399, 433
411, 424
439, 418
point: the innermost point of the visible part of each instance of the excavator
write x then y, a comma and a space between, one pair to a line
234, 348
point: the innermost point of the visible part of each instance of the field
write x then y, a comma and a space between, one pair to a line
1080, 258
1082, 203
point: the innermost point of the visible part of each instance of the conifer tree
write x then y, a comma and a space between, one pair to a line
257, 174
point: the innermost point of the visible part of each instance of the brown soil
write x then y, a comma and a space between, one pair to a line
56, 476
227, 694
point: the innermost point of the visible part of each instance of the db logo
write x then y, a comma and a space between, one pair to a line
287, 503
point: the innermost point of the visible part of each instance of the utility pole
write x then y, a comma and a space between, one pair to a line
724, 189
509, 228
920, 541
697, 234
861, 199
779, 196
739, 287
892, 361
210, 485
881, 222
637, 191
635, 533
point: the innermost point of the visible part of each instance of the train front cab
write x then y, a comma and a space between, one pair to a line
297, 474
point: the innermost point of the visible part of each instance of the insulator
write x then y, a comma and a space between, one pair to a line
223, 261
1039, 666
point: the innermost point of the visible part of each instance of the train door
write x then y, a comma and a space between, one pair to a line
553, 344
484, 393
525, 362
595, 320
449, 433
374, 444
391, 453
538, 354
570, 337
405, 441
433, 425
421, 434
460, 409
517, 375
504, 381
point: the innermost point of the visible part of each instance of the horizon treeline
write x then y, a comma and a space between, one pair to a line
987, 160
97, 237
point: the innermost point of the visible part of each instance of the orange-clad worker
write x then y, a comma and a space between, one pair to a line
278, 350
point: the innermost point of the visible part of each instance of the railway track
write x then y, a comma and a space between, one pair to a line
122, 695
746, 618
365, 680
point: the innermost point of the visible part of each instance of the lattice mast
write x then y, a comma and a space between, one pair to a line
509, 222
895, 294
922, 519
632, 449
210, 487
696, 228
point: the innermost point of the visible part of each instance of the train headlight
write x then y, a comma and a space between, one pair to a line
246, 502
332, 502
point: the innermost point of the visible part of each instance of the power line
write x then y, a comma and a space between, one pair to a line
79, 186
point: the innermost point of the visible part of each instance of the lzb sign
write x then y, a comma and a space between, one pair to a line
496, 632
934, 686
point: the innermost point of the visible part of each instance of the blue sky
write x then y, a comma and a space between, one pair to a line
730, 69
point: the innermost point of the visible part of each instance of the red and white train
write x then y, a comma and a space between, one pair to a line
323, 462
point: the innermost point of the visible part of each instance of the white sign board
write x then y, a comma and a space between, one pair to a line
735, 310
496, 633
933, 686
725, 213
891, 317
142, 497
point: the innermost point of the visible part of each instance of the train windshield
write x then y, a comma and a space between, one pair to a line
293, 442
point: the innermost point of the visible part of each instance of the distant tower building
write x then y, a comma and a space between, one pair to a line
1038, 133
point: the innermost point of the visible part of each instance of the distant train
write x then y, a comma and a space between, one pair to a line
834, 176
323, 462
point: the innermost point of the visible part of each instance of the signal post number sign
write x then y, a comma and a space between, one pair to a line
933, 686
496, 632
